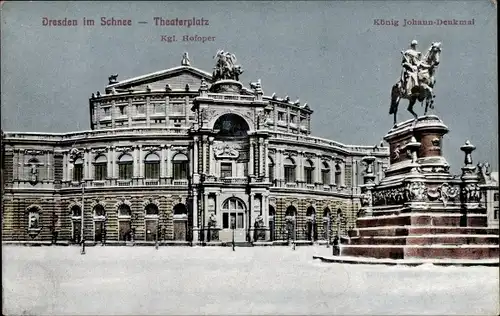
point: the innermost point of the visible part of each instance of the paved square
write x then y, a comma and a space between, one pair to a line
217, 281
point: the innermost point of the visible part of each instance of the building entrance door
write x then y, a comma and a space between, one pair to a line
233, 219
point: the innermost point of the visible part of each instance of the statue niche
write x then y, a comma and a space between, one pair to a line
231, 125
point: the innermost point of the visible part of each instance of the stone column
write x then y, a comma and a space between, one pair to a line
317, 170
169, 161
251, 217
299, 167
260, 159
148, 112
266, 155
162, 161
167, 111
65, 165
217, 209
211, 159
114, 165
47, 161
110, 164
129, 112
187, 110
113, 114
195, 216
288, 118
136, 164
275, 120
251, 161
86, 163
195, 155
204, 142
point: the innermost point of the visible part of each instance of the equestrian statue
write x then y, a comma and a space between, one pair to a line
417, 79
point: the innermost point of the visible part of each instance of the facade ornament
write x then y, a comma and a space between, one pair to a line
168, 88
417, 78
226, 151
468, 168
148, 88
122, 201
417, 191
33, 174
203, 85
74, 154
226, 68
98, 94
98, 151
187, 87
471, 193
185, 60
257, 87
443, 193
33, 152
124, 149
212, 220
151, 149
112, 79
151, 201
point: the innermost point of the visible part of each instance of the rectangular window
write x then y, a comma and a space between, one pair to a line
289, 174
159, 108
239, 220
271, 173
281, 116
325, 175
152, 170
100, 171
225, 220
125, 171
292, 118
123, 109
495, 214
140, 109
78, 173
226, 169
309, 175
180, 170
495, 197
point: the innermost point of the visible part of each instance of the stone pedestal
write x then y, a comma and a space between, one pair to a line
420, 210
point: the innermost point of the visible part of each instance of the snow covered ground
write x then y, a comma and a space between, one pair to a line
218, 281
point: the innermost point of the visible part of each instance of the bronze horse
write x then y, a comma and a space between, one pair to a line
424, 89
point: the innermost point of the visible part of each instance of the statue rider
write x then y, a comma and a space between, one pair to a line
411, 62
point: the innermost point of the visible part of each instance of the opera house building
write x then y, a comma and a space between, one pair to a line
183, 156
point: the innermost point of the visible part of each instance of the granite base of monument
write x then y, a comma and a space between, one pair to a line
419, 209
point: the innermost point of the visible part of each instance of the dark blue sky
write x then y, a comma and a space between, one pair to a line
329, 54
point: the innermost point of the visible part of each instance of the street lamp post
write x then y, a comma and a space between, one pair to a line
82, 235
294, 232
328, 226
336, 240
233, 226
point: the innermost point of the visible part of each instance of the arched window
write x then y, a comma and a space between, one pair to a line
291, 211
31, 170
231, 125
310, 212
124, 210
270, 166
233, 208
309, 171
289, 166
180, 166
326, 213
78, 170
152, 166
125, 167
151, 209
33, 218
325, 173
338, 175
76, 211
99, 211
100, 168
180, 209
272, 211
